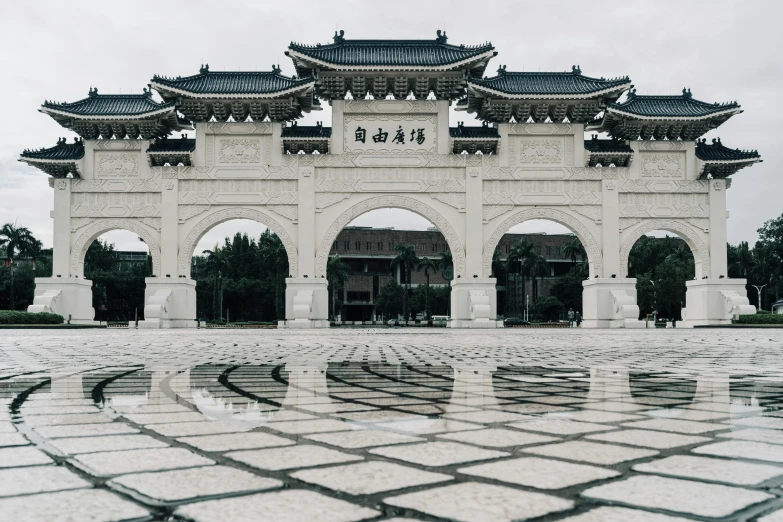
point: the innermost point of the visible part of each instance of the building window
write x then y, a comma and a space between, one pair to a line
506, 249
390, 246
346, 245
358, 245
358, 296
380, 245
557, 251
367, 246
549, 250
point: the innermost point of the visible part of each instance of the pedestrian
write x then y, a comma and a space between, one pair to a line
570, 317
578, 319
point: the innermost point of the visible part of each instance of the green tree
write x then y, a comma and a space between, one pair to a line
336, 274
214, 265
16, 240
427, 264
518, 254
573, 250
548, 308
535, 266
568, 288
407, 260
275, 258
390, 300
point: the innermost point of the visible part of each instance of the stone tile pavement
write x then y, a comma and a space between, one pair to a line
349, 425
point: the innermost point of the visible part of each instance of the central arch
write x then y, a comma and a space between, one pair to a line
220, 216
414, 205
79, 249
701, 254
558, 216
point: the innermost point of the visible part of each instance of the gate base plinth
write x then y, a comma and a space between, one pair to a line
474, 303
610, 303
64, 296
715, 301
306, 303
169, 303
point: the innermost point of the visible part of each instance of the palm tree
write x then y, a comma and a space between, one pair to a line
427, 264
16, 239
406, 259
336, 274
517, 254
574, 249
274, 255
535, 266
447, 263
215, 264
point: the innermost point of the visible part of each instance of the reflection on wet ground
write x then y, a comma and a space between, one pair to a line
355, 441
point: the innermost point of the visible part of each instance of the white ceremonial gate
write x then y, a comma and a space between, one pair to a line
245, 162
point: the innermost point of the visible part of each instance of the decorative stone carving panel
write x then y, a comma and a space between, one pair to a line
663, 185
588, 240
116, 185
542, 192
661, 145
239, 151
117, 165
323, 200
390, 180
455, 245
390, 107
220, 216
120, 204
539, 151
188, 211
239, 128
453, 199
117, 145
663, 205
593, 212
290, 212
244, 191
493, 211
527, 129
667, 165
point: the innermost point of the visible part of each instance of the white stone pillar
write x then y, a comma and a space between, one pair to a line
610, 303
61, 238
610, 229
337, 140
444, 140
169, 224
717, 242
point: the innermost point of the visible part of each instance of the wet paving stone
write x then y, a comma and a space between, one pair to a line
431, 425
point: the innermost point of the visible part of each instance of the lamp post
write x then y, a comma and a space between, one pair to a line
758, 289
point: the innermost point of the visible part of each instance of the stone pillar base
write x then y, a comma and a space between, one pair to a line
66, 297
474, 303
610, 303
169, 303
714, 301
306, 303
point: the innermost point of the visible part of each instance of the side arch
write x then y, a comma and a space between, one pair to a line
79, 248
701, 254
435, 217
197, 232
592, 246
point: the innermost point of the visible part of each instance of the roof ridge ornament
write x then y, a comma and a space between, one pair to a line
576, 69
686, 93
339, 38
276, 69
501, 70
204, 69
632, 93
93, 92
441, 37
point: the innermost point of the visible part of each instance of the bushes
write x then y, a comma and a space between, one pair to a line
15, 317
760, 319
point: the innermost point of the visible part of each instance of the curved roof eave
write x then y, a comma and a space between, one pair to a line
169, 108
584, 96
446, 67
244, 96
730, 111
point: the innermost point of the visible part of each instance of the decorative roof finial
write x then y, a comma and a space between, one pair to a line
686, 93
441, 38
93, 92
502, 70
148, 91
632, 92
204, 69
339, 37
276, 68
576, 69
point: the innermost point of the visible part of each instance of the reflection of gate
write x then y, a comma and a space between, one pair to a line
306, 183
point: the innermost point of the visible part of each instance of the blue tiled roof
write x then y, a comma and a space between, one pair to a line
485, 132
306, 131
62, 151
231, 83
182, 145
682, 106
110, 105
549, 83
718, 152
391, 53
597, 146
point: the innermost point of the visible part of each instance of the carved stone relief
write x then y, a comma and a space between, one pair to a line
542, 192
102, 226
115, 204
188, 211
493, 211
239, 128
390, 180
116, 185
116, 165
663, 205
593, 212
290, 212
452, 199
390, 107
663, 185
239, 150
237, 191
663, 165
541, 151
541, 129
323, 200
661, 145
390, 134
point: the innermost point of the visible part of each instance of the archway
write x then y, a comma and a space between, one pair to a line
240, 265
661, 263
91, 233
188, 246
436, 218
399, 262
698, 247
117, 263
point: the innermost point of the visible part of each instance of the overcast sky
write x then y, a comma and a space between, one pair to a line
721, 50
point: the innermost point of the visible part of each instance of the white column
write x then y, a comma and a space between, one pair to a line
337, 140
169, 225
717, 241
444, 140
474, 223
61, 238
610, 230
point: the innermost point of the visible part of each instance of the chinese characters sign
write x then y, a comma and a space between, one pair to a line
398, 134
